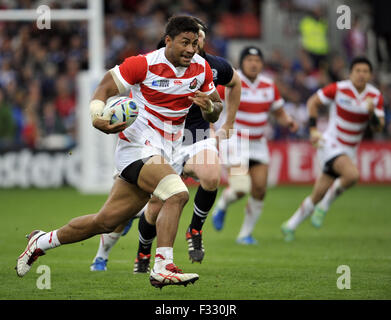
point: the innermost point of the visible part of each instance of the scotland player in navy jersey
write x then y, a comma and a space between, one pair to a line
199, 159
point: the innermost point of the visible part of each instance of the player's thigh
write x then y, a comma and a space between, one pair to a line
152, 172
258, 175
157, 177
322, 184
205, 166
344, 166
125, 201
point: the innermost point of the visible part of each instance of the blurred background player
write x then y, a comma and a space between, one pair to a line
259, 98
353, 104
144, 150
199, 159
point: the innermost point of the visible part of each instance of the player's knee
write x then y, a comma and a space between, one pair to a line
352, 177
211, 182
152, 212
258, 193
179, 199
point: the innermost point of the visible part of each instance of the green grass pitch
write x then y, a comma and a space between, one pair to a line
356, 233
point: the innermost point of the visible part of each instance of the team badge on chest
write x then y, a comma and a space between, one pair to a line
193, 84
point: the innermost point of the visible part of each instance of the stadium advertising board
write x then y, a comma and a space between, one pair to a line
297, 163
289, 163
41, 169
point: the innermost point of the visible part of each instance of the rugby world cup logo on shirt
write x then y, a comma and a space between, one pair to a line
193, 84
345, 101
161, 83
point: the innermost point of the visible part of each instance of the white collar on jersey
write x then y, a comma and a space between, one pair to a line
251, 85
179, 71
358, 95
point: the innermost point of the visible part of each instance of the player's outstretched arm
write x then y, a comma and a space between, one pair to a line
379, 123
285, 120
107, 88
233, 91
376, 122
211, 105
313, 104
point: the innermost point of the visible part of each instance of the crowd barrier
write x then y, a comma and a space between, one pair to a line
290, 163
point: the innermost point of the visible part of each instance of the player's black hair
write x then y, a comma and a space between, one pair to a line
179, 24
251, 50
202, 24
161, 43
360, 59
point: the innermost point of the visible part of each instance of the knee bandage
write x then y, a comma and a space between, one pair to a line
169, 186
240, 183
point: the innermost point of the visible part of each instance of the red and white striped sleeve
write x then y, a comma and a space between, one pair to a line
327, 93
132, 70
278, 101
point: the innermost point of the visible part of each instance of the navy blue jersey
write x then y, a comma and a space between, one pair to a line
222, 74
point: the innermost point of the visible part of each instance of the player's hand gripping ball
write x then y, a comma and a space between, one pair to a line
123, 109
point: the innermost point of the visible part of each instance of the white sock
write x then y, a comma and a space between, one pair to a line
252, 213
48, 241
228, 196
164, 256
106, 243
334, 191
306, 208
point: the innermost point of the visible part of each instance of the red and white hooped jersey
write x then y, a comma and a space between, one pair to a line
162, 90
348, 116
257, 99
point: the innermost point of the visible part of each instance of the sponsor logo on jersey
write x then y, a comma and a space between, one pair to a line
161, 83
344, 101
178, 82
193, 84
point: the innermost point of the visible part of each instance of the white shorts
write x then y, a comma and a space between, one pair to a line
143, 142
187, 152
238, 151
331, 148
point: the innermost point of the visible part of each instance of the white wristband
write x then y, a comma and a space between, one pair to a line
96, 109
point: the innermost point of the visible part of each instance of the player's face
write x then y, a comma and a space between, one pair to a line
252, 66
360, 75
182, 48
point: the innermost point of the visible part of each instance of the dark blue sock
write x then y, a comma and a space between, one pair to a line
203, 202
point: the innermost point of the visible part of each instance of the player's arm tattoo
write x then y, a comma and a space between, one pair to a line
217, 107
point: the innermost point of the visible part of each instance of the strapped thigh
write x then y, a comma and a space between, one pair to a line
170, 185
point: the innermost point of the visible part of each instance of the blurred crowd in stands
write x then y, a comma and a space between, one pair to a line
38, 68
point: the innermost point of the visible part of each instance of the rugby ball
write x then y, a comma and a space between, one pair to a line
125, 110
